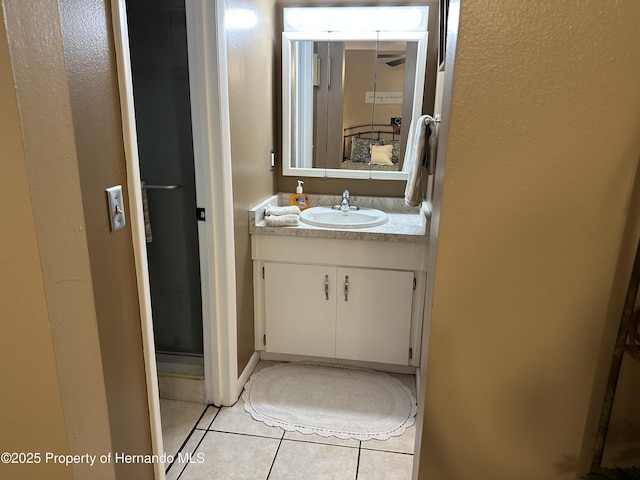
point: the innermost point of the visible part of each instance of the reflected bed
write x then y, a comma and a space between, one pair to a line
361, 141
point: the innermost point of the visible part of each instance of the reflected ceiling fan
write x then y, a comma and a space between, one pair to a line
399, 59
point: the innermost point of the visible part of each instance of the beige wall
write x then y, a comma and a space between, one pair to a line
359, 73
27, 358
250, 60
536, 222
72, 296
91, 69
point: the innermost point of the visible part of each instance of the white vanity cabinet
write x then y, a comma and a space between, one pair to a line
338, 312
335, 298
374, 315
299, 309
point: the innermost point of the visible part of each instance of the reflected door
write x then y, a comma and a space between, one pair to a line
160, 70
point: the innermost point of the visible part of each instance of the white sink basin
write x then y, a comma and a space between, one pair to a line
331, 218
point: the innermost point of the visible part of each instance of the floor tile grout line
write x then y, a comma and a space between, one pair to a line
281, 440
386, 451
241, 433
213, 419
275, 456
191, 434
194, 451
319, 443
359, 446
184, 443
205, 432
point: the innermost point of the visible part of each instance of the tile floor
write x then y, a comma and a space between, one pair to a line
227, 444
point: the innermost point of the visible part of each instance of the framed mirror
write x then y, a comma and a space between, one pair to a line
352, 81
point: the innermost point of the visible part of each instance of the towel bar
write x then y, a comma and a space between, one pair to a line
430, 119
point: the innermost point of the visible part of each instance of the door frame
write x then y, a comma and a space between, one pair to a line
436, 193
208, 79
212, 160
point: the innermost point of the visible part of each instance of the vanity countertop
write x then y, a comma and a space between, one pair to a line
406, 224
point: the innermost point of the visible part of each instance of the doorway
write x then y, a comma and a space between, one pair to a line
160, 71
212, 161
161, 95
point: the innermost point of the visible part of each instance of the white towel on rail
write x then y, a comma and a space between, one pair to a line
414, 161
432, 146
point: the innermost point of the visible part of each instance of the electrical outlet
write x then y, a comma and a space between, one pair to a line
115, 202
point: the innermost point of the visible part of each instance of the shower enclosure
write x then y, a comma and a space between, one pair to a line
158, 45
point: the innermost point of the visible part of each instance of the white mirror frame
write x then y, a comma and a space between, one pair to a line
287, 90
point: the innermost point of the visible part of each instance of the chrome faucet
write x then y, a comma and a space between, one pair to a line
345, 206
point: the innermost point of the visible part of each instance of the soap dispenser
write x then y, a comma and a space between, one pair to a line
301, 200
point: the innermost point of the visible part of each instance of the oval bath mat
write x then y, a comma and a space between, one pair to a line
330, 400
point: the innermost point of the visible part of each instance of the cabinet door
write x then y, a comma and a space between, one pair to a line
300, 309
374, 315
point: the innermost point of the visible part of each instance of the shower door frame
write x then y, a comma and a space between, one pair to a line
212, 161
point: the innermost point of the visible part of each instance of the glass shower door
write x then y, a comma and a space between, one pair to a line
160, 70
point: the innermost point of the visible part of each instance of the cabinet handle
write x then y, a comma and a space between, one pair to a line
326, 287
346, 288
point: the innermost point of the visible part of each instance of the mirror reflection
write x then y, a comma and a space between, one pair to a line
374, 97
348, 101
359, 105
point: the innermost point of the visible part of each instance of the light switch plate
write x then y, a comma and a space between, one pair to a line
116, 208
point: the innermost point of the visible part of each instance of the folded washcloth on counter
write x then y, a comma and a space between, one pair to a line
273, 210
287, 220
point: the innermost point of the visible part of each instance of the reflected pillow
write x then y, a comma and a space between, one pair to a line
381, 154
395, 152
361, 148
